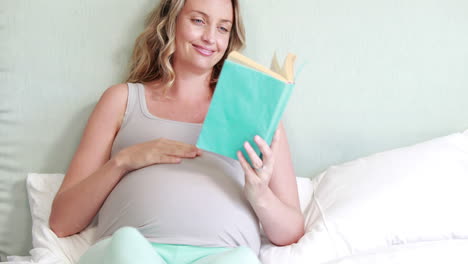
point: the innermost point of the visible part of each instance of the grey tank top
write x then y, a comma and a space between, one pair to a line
197, 202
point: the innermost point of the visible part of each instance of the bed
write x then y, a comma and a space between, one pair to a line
389, 207
377, 121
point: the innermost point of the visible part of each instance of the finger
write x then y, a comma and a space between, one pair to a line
179, 149
182, 145
265, 149
245, 165
179, 152
256, 161
169, 159
275, 141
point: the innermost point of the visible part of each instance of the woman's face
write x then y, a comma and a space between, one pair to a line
203, 28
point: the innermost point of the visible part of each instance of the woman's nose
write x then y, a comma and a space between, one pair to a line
209, 35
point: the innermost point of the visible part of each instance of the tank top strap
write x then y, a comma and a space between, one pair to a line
141, 98
131, 101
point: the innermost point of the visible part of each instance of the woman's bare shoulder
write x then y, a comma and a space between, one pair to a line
117, 92
115, 99
98, 135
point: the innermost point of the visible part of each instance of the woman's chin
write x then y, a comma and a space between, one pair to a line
203, 67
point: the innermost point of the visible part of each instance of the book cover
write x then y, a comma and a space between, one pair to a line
249, 100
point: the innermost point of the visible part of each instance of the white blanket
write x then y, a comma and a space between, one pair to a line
447, 252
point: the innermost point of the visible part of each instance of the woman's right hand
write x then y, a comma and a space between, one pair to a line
156, 151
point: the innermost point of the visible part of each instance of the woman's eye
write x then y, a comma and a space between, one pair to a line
223, 29
197, 21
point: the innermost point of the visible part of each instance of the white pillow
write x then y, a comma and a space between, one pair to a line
402, 196
48, 248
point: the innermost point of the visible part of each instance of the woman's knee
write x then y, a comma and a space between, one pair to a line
127, 235
126, 239
245, 255
127, 231
128, 245
237, 255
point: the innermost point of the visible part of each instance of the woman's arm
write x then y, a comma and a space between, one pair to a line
91, 175
272, 192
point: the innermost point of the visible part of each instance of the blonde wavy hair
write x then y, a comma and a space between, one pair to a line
154, 48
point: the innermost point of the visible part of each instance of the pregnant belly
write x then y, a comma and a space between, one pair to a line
192, 203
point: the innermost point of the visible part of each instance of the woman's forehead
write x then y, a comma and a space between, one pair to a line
215, 9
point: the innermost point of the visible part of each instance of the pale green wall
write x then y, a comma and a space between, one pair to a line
379, 75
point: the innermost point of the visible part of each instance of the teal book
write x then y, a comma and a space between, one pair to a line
249, 100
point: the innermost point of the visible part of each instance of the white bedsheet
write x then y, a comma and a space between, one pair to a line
447, 252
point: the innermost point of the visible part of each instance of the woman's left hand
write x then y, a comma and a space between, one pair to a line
258, 178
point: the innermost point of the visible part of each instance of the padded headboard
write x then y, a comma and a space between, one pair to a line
377, 75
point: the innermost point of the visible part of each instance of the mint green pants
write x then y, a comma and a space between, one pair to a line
127, 245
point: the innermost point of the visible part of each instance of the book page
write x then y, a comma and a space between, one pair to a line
241, 59
288, 67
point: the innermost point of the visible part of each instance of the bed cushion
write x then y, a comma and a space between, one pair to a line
433, 252
408, 195
403, 196
47, 247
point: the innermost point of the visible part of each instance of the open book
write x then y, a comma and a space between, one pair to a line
249, 99
285, 74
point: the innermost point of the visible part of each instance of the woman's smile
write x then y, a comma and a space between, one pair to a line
202, 50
